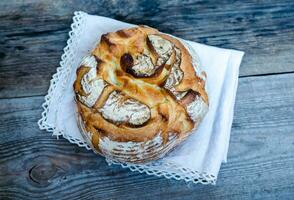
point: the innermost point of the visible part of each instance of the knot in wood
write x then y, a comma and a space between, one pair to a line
42, 173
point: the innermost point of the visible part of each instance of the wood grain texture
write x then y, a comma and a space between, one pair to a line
34, 32
34, 165
260, 163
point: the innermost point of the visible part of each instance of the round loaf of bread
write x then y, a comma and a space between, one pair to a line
139, 94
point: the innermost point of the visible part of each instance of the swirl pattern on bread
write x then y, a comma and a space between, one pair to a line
138, 95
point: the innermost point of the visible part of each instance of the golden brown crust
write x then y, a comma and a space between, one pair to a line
115, 53
190, 80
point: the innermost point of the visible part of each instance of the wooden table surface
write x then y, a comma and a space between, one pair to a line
33, 164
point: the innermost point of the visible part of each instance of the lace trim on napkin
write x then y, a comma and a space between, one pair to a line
61, 77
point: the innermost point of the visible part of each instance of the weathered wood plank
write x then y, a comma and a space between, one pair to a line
33, 33
260, 164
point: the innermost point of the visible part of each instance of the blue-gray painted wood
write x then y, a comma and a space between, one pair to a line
34, 32
34, 165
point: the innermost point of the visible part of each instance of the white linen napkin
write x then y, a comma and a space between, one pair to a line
199, 158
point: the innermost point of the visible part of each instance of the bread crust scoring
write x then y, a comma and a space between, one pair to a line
147, 95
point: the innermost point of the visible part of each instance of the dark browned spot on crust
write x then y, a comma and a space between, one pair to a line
126, 61
125, 34
169, 92
80, 69
75, 86
105, 39
189, 97
164, 117
119, 73
162, 84
100, 131
98, 60
130, 70
150, 46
